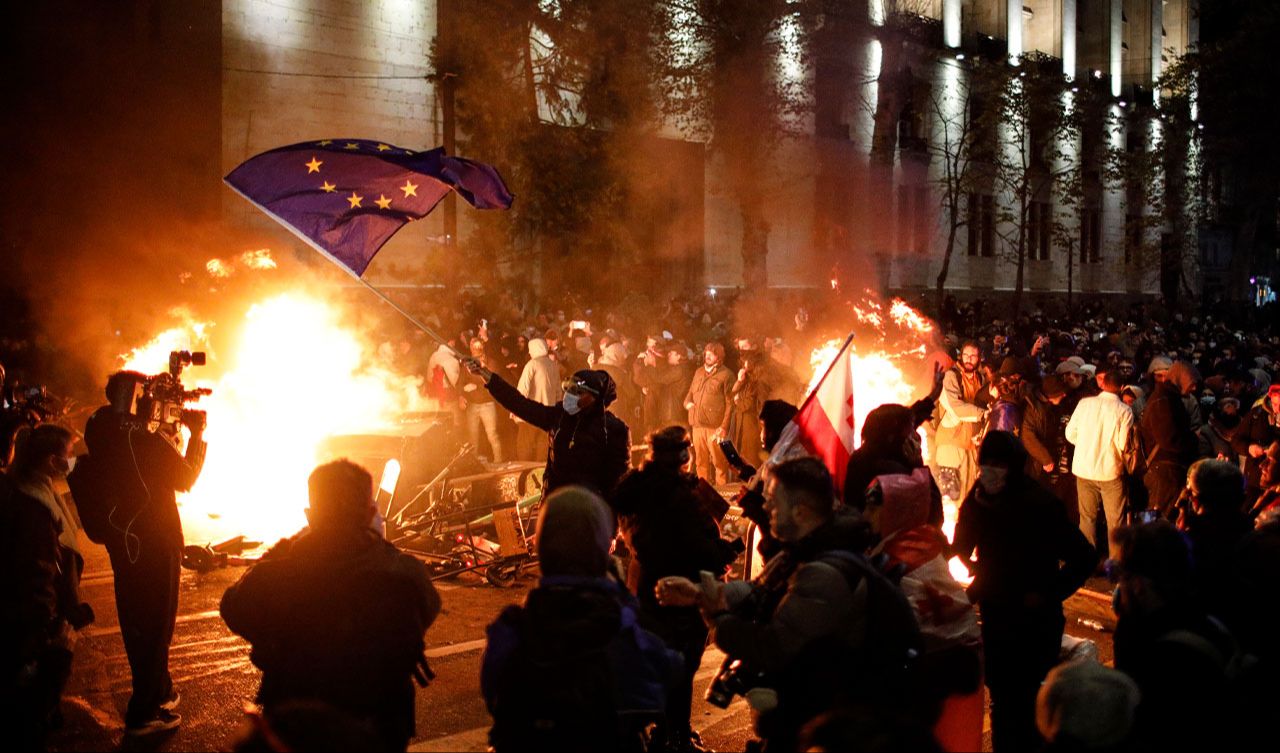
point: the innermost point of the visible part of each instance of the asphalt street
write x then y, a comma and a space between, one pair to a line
212, 669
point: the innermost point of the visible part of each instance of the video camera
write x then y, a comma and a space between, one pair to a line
160, 401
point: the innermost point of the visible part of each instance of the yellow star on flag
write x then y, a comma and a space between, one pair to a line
314, 165
352, 145
409, 189
383, 148
328, 187
326, 142
383, 202
354, 199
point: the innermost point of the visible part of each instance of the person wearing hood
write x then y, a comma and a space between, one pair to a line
1006, 411
1030, 560
668, 518
559, 672
775, 415
1044, 435
41, 607
749, 393
1168, 436
613, 361
1135, 397
539, 382
1218, 436
588, 445
1259, 428
890, 445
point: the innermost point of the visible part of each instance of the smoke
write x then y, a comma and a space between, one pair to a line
112, 192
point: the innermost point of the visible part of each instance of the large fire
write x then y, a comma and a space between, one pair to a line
889, 366
288, 376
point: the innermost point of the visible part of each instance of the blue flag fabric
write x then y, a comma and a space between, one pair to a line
347, 197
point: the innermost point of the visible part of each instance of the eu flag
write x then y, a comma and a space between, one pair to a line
347, 197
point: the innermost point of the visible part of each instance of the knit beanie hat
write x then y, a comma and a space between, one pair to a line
1086, 705
575, 529
1004, 449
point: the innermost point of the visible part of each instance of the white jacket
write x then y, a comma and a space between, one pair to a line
540, 380
1100, 428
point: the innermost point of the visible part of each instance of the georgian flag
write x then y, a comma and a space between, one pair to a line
824, 427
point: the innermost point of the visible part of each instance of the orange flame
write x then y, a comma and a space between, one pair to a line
260, 259
880, 354
295, 375
217, 268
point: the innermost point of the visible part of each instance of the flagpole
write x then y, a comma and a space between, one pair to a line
830, 366
412, 319
788, 435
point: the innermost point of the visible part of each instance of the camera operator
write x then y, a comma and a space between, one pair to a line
140, 473
820, 627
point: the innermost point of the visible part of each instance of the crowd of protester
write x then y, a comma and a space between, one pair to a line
1142, 447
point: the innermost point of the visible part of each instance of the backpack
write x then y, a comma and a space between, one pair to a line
95, 500
561, 695
893, 635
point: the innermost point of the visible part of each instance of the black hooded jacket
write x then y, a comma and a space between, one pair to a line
591, 448
672, 534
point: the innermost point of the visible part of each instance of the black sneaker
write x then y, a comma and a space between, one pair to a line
163, 721
171, 703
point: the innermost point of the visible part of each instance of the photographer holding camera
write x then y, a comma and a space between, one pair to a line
819, 628
128, 489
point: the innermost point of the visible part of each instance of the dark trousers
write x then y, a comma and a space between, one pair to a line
1165, 481
1020, 646
30, 700
147, 604
683, 630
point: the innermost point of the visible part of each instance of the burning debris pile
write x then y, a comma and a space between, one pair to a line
893, 353
289, 374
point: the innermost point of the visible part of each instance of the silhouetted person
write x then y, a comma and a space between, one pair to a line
571, 669
336, 614
1030, 559
672, 532
39, 601
141, 474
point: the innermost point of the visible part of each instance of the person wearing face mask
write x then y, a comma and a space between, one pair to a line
588, 445
42, 564
668, 518
709, 401
1030, 558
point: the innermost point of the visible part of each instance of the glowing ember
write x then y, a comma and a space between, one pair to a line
882, 357
293, 376
217, 268
260, 259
